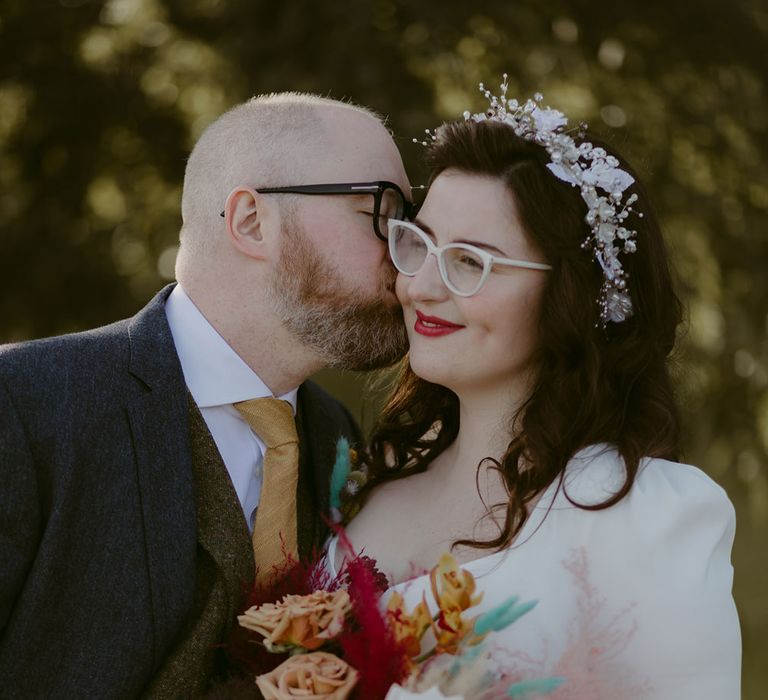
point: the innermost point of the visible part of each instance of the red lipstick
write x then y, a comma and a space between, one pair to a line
433, 326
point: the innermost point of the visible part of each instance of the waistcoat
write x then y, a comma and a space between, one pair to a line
224, 574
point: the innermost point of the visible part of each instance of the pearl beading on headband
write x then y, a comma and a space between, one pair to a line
587, 167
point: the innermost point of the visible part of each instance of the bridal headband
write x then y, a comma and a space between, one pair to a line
587, 167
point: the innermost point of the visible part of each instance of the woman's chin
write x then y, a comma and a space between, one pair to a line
429, 372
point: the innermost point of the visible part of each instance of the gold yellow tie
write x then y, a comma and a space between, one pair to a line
275, 530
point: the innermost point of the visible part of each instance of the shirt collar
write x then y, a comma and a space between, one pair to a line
214, 373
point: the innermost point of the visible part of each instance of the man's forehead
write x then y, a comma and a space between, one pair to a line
341, 117
355, 147
355, 162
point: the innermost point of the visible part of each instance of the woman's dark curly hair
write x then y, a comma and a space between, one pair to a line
594, 385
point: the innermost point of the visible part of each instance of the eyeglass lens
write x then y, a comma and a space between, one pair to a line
390, 206
462, 266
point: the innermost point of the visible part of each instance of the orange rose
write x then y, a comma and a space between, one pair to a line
408, 628
315, 676
306, 621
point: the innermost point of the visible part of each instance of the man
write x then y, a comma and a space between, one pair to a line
131, 471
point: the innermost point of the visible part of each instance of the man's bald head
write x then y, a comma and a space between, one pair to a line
271, 140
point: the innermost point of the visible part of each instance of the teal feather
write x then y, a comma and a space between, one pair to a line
340, 473
468, 657
502, 616
543, 685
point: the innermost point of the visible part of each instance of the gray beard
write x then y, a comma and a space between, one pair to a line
311, 299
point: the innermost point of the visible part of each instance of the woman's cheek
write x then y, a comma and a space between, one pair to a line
401, 289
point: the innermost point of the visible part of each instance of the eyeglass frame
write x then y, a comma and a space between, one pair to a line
375, 188
488, 259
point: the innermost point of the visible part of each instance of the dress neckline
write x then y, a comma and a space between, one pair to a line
535, 520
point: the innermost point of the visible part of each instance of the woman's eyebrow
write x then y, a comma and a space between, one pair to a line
484, 246
424, 227
478, 244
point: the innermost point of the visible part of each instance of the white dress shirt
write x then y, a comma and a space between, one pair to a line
218, 377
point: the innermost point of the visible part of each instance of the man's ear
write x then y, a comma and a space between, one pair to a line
253, 222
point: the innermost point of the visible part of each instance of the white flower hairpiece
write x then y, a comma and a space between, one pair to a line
584, 166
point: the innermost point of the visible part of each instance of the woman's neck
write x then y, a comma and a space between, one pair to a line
485, 429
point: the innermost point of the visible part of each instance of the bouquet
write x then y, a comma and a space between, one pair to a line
314, 636
345, 640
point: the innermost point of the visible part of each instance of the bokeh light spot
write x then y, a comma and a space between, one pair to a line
166, 263
614, 116
611, 54
566, 30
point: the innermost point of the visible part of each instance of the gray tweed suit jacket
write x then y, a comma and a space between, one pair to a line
97, 511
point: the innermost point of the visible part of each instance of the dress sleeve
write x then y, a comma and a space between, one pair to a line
679, 535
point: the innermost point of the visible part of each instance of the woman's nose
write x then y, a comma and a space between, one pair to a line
427, 284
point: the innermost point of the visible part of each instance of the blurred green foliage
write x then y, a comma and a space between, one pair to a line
100, 103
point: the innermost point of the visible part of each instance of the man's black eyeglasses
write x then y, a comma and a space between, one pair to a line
396, 206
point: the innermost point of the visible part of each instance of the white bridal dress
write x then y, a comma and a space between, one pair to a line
634, 601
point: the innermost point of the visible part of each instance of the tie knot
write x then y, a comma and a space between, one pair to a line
271, 419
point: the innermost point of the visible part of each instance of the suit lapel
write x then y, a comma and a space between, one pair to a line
221, 527
158, 417
317, 451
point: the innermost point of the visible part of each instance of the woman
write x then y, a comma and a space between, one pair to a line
534, 431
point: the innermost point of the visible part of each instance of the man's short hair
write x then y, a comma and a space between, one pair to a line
263, 142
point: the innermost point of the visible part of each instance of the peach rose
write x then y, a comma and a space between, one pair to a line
306, 621
315, 676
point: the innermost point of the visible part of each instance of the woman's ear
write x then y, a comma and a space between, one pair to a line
252, 221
